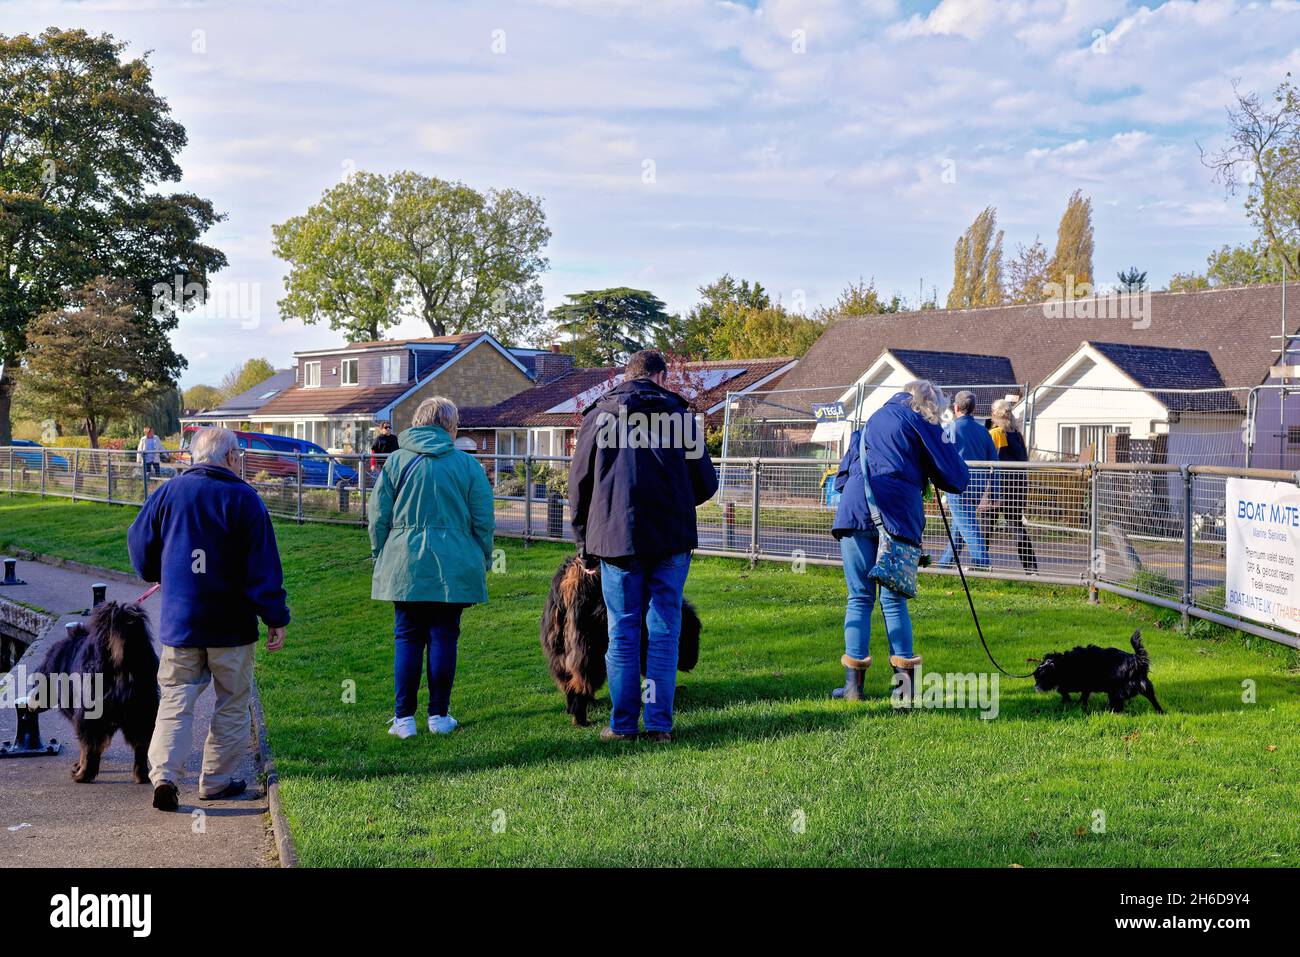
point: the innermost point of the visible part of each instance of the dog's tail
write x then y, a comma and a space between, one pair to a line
1140, 650
577, 652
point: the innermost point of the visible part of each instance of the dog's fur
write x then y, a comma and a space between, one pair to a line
115, 642
1092, 670
575, 636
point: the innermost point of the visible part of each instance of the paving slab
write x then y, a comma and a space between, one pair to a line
48, 820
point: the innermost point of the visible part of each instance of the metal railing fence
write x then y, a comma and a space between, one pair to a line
1147, 531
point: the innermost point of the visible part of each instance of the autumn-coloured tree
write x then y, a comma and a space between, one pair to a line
1027, 274
1072, 260
977, 264
86, 361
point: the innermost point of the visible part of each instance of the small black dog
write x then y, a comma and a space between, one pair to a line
1109, 671
575, 636
116, 643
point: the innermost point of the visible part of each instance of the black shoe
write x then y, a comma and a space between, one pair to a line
609, 734
231, 790
166, 797
659, 737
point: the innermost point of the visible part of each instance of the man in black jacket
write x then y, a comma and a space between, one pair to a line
639, 470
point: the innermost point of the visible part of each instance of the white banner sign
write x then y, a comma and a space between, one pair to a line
1263, 537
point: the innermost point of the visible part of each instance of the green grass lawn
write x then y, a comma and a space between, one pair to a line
767, 770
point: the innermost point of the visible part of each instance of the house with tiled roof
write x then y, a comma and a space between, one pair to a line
338, 396
239, 410
1236, 332
543, 420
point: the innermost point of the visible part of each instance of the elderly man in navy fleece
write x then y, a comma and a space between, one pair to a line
207, 537
974, 444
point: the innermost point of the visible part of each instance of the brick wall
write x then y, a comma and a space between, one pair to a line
480, 377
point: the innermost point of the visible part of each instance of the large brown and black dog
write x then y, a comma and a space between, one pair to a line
575, 636
115, 642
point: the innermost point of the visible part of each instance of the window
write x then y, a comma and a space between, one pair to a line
348, 372
392, 369
311, 375
1069, 444
1293, 435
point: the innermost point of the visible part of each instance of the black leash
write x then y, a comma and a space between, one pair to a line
956, 558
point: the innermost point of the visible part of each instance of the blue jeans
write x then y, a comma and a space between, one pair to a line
858, 549
651, 591
426, 632
966, 528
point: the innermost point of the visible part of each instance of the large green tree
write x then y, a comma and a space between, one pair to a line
1027, 273
607, 325
376, 249
859, 298
84, 143
693, 334
977, 264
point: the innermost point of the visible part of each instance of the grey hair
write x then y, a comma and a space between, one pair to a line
1003, 415
213, 446
440, 411
927, 399
964, 402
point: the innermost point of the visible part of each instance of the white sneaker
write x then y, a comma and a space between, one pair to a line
402, 727
442, 724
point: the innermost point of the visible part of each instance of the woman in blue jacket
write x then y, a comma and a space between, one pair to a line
906, 447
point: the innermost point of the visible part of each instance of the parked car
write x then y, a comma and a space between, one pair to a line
33, 459
260, 448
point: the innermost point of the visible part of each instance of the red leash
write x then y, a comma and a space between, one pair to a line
152, 589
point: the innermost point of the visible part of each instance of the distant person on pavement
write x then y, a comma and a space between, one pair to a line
385, 443
207, 537
149, 452
1013, 483
973, 445
640, 468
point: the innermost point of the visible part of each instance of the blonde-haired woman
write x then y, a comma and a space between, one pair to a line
431, 526
1014, 484
903, 447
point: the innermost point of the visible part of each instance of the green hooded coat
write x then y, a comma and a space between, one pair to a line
432, 540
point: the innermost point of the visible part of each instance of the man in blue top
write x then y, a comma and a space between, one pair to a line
974, 445
206, 536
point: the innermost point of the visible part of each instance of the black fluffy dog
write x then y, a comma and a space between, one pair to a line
1092, 670
575, 636
115, 642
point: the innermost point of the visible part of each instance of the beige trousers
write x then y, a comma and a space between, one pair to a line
183, 674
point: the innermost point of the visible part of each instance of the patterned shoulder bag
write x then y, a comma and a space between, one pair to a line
896, 561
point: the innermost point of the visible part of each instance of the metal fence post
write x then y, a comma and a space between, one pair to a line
76, 472
298, 462
1188, 557
45, 456
108, 475
1094, 532
756, 468
11, 470
144, 479
528, 498
361, 489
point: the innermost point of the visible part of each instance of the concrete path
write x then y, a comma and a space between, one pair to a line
47, 820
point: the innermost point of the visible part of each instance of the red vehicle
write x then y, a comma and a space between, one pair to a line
274, 455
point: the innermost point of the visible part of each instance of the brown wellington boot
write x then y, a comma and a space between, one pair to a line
905, 694
855, 671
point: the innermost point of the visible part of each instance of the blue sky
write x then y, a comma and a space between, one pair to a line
803, 144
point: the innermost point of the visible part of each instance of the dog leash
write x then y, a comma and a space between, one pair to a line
956, 558
150, 591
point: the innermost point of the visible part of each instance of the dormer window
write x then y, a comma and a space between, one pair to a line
348, 372
311, 375
392, 369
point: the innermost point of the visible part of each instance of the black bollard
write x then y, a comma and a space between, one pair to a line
11, 573
27, 741
98, 592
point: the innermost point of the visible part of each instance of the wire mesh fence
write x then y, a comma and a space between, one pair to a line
1152, 531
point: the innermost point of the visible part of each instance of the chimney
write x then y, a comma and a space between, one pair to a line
551, 365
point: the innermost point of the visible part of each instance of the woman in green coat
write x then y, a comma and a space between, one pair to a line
431, 524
